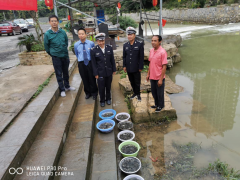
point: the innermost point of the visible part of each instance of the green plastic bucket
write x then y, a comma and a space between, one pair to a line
127, 143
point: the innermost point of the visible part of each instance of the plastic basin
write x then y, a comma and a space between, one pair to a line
126, 131
129, 122
106, 121
120, 165
133, 176
123, 113
129, 143
107, 111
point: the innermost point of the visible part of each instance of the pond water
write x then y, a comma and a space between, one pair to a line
208, 110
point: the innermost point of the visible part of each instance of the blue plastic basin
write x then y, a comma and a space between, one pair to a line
106, 121
107, 111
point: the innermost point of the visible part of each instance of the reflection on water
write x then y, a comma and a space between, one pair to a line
209, 109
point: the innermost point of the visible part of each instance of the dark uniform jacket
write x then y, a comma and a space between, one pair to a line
133, 56
103, 64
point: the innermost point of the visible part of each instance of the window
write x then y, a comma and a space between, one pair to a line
4, 24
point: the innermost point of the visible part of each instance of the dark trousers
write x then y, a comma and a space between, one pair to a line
158, 92
135, 80
104, 86
61, 70
89, 81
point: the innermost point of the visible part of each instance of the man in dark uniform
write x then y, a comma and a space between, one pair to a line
133, 56
104, 67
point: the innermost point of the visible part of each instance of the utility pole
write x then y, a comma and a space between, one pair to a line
70, 13
55, 8
160, 19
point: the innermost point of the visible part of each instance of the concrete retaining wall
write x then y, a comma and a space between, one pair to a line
35, 58
217, 15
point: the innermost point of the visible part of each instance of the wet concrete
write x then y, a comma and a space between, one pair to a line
17, 86
77, 149
104, 165
18, 138
47, 147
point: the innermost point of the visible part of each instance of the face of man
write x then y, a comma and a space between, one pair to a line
131, 37
101, 43
155, 42
82, 35
53, 22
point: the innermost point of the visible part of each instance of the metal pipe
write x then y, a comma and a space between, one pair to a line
55, 8
160, 18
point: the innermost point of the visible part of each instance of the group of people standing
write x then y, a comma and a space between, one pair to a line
97, 66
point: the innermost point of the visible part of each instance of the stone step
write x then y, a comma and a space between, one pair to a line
47, 147
76, 155
15, 143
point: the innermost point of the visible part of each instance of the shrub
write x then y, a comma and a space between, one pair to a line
27, 40
37, 47
124, 22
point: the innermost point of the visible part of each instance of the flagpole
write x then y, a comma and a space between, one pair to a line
160, 19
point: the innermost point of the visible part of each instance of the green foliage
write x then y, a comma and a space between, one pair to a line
145, 68
27, 40
124, 74
223, 169
124, 22
40, 88
127, 100
71, 48
37, 47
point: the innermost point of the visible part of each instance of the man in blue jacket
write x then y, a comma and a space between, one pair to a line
56, 44
82, 50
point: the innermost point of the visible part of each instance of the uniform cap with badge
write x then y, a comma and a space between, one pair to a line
100, 36
131, 30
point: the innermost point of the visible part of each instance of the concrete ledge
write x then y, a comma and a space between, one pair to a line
142, 112
77, 151
15, 143
34, 58
48, 145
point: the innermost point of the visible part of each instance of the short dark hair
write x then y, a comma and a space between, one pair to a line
53, 16
159, 37
82, 30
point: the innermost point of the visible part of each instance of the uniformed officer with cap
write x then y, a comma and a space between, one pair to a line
133, 57
104, 67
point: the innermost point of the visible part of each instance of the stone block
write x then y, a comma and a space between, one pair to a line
177, 58
168, 112
139, 109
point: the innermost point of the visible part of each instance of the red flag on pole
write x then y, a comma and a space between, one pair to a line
24, 5
163, 22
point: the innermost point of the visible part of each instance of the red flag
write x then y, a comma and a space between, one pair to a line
163, 22
24, 5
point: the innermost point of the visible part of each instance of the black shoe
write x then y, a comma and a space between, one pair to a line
102, 104
87, 96
153, 107
133, 96
139, 98
108, 102
158, 109
94, 97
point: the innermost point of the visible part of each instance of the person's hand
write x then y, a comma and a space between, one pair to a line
147, 78
114, 73
125, 69
140, 70
96, 76
159, 83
